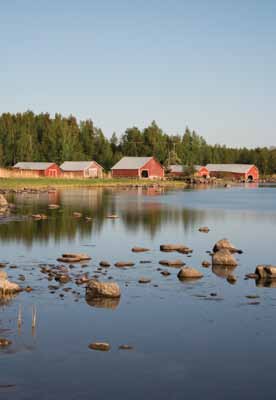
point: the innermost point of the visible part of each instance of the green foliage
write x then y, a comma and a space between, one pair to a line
30, 137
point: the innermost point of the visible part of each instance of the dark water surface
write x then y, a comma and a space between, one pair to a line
187, 344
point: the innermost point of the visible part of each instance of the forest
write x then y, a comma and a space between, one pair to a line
40, 137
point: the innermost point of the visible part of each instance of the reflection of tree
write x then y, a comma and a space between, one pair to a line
151, 216
60, 223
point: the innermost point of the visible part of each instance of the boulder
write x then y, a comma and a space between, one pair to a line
6, 286
172, 263
122, 264
73, 257
225, 244
96, 289
175, 247
266, 272
139, 249
189, 273
224, 257
77, 214
112, 216
102, 346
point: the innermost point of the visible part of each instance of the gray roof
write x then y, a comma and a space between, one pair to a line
131, 162
33, 165
234, 168
75, 165
180, 168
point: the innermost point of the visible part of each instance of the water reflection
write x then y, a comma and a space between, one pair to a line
222, 271
103, 302
132, 206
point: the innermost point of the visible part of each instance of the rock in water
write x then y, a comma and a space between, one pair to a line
204, 229
6, 286
224, 257
122, 264
105, 264
266, 272
175, 247
4, 342
139, 249
144, 280
172, 263
225, 244
189, 273
102, 346
96, 289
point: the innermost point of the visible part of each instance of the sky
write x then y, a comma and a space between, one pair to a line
206, 64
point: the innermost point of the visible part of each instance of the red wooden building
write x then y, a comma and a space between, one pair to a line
38, 169
138, 167
179, 170
244, 172
81, 169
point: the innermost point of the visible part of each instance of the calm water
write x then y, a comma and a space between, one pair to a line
185, 345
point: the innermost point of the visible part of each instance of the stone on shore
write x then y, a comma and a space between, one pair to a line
189, 273
96, 289
224, 257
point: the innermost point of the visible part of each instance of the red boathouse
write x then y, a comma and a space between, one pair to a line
38, 169
179, 171
244, 172
138, 167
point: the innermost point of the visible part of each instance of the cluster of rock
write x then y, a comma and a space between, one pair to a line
223, 253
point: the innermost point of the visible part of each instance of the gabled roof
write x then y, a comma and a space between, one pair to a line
77, 165
234, 168
131, 162
41, 166
181, 168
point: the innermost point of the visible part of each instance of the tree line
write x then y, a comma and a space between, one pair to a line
40, 137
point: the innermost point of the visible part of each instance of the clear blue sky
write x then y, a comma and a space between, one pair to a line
208, 64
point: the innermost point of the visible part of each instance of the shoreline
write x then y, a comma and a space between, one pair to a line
11, 184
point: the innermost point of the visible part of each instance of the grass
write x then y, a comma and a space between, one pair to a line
19, 183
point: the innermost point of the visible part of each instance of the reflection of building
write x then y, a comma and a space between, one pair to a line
180, 170
244, 172
81, 169
37, 168
137, 167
